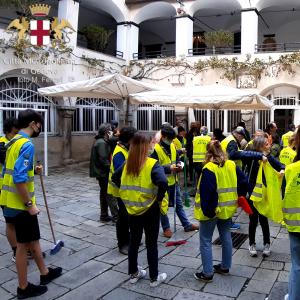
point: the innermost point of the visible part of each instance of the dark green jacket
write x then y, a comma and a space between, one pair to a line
100, 159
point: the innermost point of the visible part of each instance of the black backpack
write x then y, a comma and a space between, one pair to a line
4, 147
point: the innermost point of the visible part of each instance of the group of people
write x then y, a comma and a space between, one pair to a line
141, 182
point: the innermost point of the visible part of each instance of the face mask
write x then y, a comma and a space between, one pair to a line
36, 133
167, 142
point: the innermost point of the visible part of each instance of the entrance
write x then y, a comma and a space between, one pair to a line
282, 118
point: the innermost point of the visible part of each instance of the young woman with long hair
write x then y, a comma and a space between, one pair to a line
220, 184
143, 185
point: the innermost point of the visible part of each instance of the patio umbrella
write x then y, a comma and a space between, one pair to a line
215, 96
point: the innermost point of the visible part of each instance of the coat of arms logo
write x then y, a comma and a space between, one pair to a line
41, 31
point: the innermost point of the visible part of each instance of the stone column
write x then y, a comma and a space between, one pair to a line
184, 35
69, 10
297, 117
249, 28
247, 117
128, 39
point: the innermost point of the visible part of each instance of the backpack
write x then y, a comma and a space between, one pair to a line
5, 146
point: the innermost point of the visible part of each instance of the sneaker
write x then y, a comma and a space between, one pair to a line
252, 251
286, 297
202, 277
218, 269
235, 226
266, 251
52, 274
191, 227
168, 233
160, 279
31, 291
124, 250
13, 258
134, 278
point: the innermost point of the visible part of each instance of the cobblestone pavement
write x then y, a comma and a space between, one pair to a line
94, 269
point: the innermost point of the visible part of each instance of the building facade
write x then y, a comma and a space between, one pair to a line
162, 42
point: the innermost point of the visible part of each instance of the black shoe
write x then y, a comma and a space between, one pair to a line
31, 291
124, 250
218, 269
53, 273
105, 219
202, 277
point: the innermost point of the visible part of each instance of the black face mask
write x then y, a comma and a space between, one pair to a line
36, 133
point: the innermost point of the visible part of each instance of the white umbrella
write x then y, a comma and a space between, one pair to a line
215, 96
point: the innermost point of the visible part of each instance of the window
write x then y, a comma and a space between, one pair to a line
90, 113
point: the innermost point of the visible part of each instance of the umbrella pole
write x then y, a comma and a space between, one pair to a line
126, 116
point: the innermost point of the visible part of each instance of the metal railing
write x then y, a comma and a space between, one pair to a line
215, 50
153, 54
277, 47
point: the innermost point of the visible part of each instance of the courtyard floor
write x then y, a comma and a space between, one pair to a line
94, 269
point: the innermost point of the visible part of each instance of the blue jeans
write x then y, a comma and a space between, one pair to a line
179, 209
206, 232
294, 281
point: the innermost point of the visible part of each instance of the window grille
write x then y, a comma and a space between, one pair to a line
264, 117
90, 113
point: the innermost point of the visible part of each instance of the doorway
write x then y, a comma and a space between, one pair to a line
282, 118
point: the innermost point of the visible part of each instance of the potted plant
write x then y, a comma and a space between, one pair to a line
219, 39
97, 37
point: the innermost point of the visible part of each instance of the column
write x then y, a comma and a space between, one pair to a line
297, 117
184, 35
128, 39
249, 30
69, 10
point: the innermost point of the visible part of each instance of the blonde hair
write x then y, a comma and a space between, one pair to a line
215, 153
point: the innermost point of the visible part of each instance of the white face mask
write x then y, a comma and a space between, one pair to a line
110, 134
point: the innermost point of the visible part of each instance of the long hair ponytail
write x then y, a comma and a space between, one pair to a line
215, 153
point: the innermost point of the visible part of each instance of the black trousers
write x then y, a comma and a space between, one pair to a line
191, 168
263, 221
148, 222
122, 226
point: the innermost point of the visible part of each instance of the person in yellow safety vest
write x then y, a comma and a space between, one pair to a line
120, 155
143, 185
10, 129
285, 137
291, 214
287, 154
220, 184
165, 153
180, 141
18, 199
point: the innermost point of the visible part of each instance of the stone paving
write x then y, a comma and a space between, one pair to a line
94, 269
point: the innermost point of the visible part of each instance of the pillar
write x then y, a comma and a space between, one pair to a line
297, 117
249, 30
184, 35
69, 10
128, 40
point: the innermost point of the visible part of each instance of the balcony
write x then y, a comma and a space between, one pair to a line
277, 47
154, 54
215, 51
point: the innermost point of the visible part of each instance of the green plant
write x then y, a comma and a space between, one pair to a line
219, 38
21, 5
97, 37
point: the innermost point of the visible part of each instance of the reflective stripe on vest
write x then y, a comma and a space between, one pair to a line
165, 160
227, 191
199, 147
224, 145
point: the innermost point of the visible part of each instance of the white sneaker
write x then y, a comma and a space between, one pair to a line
160, 279
286, 297
252, 250
135, 278
13, 258
266, 251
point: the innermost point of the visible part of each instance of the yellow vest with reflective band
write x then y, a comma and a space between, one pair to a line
164, 160
267, 197
178, 145
3, 139
138, 193
164, 206
291, 201
285, 138
199, 147
224, 145
226, 188
112, 189
9, 195
287, 156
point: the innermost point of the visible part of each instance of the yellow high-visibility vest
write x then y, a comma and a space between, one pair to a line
178, 145
3, 139
112, 189
285, 138
224, 145
199, 147
164, 206
164, 160
138, 193
9, 194
267, 198
291, 201
287, 156
226, 188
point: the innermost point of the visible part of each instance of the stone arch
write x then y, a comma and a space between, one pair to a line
265, 91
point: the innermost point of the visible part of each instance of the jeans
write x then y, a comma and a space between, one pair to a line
294, 281
149, 222
253, 224
122, 226
165, 223
206, 232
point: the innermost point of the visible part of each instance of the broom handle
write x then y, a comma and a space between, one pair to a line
175, 176
47, 208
